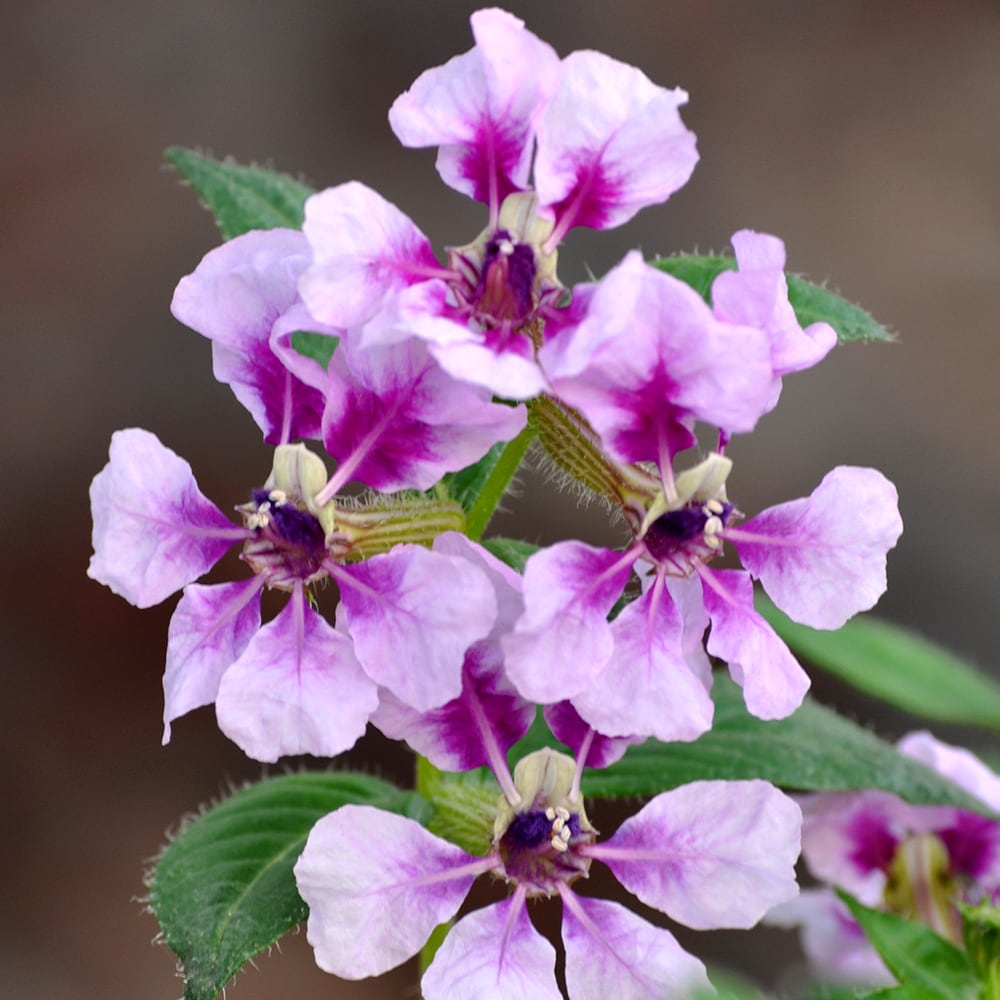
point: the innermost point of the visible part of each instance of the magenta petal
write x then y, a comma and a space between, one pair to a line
413, 614
563, 638
234, 298
478, 108
209, 630
493, 952
399, 422
649, 359
610, 142
154, 531
647, 688
710, 854
364, 250
488, 713
822, 558
773, 682
569, 728
377, 885
297, 689
613, 952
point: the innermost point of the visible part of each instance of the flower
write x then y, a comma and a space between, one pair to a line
917, 861
605, 141
296, 684
710, 854
821, 558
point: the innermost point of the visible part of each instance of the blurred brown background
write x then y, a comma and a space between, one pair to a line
867, 135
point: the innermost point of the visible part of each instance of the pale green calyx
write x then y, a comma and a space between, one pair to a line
300, 475
703, 483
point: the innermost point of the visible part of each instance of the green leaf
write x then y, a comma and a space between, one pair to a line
812, 303
318, 346
895, 665
223, 889
479, 488
242, 198
511, 551
915, 955
812, 750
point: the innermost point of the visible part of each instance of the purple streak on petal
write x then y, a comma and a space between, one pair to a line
709, 854
563, 638
377, 885
476, 728
569, 728
413, 614
297, 689
478, 108
647, 688
610, 143
493, 952
394, 420
364, 251
234, 298
773, 682
209, 630
650, 359
973, 844
822, 558
612, 952
154, 531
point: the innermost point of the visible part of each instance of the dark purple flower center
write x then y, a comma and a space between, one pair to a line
538, 849
691, 530
289, 544
505, 291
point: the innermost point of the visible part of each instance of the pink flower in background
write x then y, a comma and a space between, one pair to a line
918, 861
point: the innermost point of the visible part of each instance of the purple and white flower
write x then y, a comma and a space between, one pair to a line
917, 861
605, 142
296, 684
821, 558
710, 854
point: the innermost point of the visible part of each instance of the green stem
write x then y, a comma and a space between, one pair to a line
496, 484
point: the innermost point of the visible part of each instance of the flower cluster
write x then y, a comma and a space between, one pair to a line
434, 640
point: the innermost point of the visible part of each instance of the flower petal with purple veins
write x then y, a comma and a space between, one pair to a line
364, 250
298, 688
154, 530
647, 688
493, 952
209, 630
822, 558
710, 854
234, 297
610, 142
569, 728
488, 714
413, 614
649, 359
478, 108
399, 422
613, 952
773, 681
563, 638
377, 885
